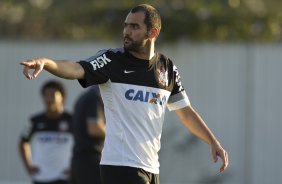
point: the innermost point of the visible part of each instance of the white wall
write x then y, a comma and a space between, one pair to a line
235, 87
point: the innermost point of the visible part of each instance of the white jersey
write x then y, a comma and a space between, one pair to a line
135, 93
51, 143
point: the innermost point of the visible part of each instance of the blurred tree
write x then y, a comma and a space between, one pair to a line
201, 20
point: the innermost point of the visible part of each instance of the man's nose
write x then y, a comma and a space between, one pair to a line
126, 31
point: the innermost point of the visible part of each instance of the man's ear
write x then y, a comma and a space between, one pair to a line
154, 33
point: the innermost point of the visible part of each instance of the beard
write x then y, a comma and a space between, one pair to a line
135, 46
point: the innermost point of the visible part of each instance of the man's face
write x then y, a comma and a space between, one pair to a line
52, 98
135, 32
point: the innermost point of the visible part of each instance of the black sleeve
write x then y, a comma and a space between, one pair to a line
177, 86
27, 132
97, 69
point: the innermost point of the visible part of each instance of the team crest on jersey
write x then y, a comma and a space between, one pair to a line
163, 76
63, 126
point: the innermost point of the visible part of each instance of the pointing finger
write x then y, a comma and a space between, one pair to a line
25, 63
26, 73
38, 69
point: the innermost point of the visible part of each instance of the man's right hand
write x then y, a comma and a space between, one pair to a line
36, 64
60, 68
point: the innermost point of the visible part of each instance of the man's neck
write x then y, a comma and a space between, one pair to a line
55, 112
147, 53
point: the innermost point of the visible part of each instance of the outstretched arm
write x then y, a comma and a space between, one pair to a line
196, 125
64, 69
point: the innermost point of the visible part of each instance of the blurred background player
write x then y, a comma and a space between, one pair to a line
89, 134
46, 144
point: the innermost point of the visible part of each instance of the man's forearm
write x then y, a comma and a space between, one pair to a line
64, 69
25, 154
196, 125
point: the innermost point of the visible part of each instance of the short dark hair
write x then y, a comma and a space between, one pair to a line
53, 84
152, 16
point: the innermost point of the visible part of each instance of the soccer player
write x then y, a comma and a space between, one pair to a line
137, 83
89, 135
45, 146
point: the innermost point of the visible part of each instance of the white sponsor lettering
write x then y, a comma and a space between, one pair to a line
100, 62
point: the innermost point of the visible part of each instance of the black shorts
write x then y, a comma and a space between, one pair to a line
127, 175
53, 182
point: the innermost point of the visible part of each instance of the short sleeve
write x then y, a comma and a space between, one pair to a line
96, 69
178, 98
27, 132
